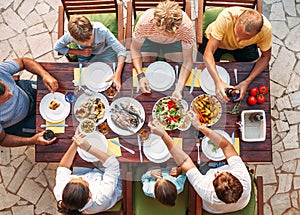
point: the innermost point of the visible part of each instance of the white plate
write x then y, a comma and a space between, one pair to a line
95, 76
59, 113
97, 140
83, 98
161, 76
207, 83
119, 130
207, 148
155, 149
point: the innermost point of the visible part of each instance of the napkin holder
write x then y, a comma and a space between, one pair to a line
253, 130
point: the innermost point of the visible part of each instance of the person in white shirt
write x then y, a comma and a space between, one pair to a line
223, 189
87, 190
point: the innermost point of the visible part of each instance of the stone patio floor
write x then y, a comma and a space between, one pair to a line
29, 29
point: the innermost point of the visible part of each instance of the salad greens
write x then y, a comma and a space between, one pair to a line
215, 147
169, 113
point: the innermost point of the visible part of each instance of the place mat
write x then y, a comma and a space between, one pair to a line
76, 75
134, 76
113, 149
56, 130
178, 142
196, 80
236, 145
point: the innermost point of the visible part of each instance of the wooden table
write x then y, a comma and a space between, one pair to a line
254, 151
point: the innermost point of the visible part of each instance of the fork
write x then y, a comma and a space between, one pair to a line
198, 152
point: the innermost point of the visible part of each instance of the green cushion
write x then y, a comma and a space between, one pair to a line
249, 209
109, 20
210, 15
116, 207
145, 205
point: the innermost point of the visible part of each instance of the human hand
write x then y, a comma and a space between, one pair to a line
156, 173
220, 91
116, 81
144, 85
86, 52
156, 128
41, 141
177, 94
50, 82
242, 86
193, 117
81, 142
175, 171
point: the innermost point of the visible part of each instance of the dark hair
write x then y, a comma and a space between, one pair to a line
74, 197
165, 192
228, 188
2, 89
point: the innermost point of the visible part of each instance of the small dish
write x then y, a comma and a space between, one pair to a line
87, 126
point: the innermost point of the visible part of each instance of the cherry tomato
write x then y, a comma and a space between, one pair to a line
263, 90
252, 100
261, 99
253, 91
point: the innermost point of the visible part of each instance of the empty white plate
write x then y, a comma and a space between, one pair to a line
155, 149
207, 83
59, 113
161, 76
95, 76
97, 140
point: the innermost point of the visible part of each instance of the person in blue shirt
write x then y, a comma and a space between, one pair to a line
95, 44
164, 184
18, 103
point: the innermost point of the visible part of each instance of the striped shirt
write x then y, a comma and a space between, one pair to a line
145, 28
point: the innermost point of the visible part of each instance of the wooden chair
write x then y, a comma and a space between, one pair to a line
204, 4
134, 7
108, 12
140, 204
256, 200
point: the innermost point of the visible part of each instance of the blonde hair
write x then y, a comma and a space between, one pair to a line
168, 16
80, 28
252, 19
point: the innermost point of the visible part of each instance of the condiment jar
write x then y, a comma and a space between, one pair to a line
255, 117
48, 135
232, 93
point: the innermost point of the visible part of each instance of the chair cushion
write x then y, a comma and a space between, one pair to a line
145, 205
249, 209
210, 15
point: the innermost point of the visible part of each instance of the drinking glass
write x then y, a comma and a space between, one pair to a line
70, 97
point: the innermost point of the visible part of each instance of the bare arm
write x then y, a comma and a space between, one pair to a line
259, 67
210, 63
69, 156
116, 78
34, 67
9, 140
185, 70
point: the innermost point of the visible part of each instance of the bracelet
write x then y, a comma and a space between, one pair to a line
140, 75
183, 162
89, 148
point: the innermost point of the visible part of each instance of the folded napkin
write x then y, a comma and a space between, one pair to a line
237, 145
113, 149
178, 141
196, 80
56, 130
76, 75
134, 76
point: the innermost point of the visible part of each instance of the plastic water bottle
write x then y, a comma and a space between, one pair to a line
256, 117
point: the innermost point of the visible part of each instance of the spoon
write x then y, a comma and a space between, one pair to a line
176, 70
198, 151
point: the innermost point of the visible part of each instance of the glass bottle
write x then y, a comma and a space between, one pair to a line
232, 93
255, 117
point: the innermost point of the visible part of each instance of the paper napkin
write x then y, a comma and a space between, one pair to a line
113, 149
56, 130
196, 80
237, 145
76, 75
134, 76
178, 142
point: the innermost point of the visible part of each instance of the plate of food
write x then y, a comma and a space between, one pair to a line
92, 107
208, 108
54, 108
168, 112
155, 149
161, 76
97, 140
207, 83
211, 150
126, 116
95, 76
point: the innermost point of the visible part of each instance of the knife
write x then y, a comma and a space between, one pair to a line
232, 138
124, 147
80, 74
235, 75
140, 148
54, 125
193, 80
